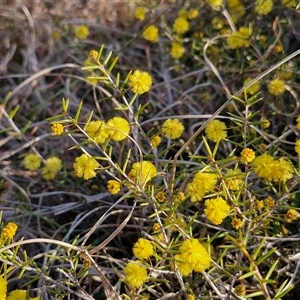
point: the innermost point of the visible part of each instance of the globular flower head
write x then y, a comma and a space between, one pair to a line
276, 87
265, 123
214, 3
236, 10
297, 147
216, 210
172, 128
9, 230
3, 288
140, 13
57, 128
263, 166
282, 170
184, 267
17, 295
151, 34
84, 166
142, 249
155, 141
237, 223
181, 25
140, 82
52, 167
97, 131
239, 39
54, 164
216, 131
32, 161
269, 201
234, 179
118, 128
160, 196
247, 155
142, 172
291, 215
263, 7
113, 186
135, 275
177, 50
252, 89
193, 253
82, 31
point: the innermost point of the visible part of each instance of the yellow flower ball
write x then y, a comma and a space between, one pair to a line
140, 82
181, 25
140, 13
216, 210
263, 7
113, 186
82, 31
142, 172
57, 128
252, 89
3, 288
135, 275
142, 249
247, 155
291, 215
276, 87
97, 131
32, 162
9, 230
177, 50
117, 128
297, 147
155, 141
85, 166
172, 128
216, 131
151, 34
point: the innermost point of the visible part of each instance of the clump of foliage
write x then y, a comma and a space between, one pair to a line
186, 167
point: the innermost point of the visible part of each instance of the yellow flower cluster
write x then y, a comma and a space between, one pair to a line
151, 34
276, 87
155, 141
216, 210
252, 89
291, 215
142, 172
135, 275
297, 147
239, 39
214, 3
9, 230
172, 128
265, 123
181, 25
52, 167
237, 223
140, 13
82, 31
263, 7
160, 196
201, 184
116, 128
113, 186
216, 131
14, 295
234, 179
140, 82
192, 257
236, 9
247, 155
57, 128
177, 50
271, 169
142, 249
32, 162
85, 166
